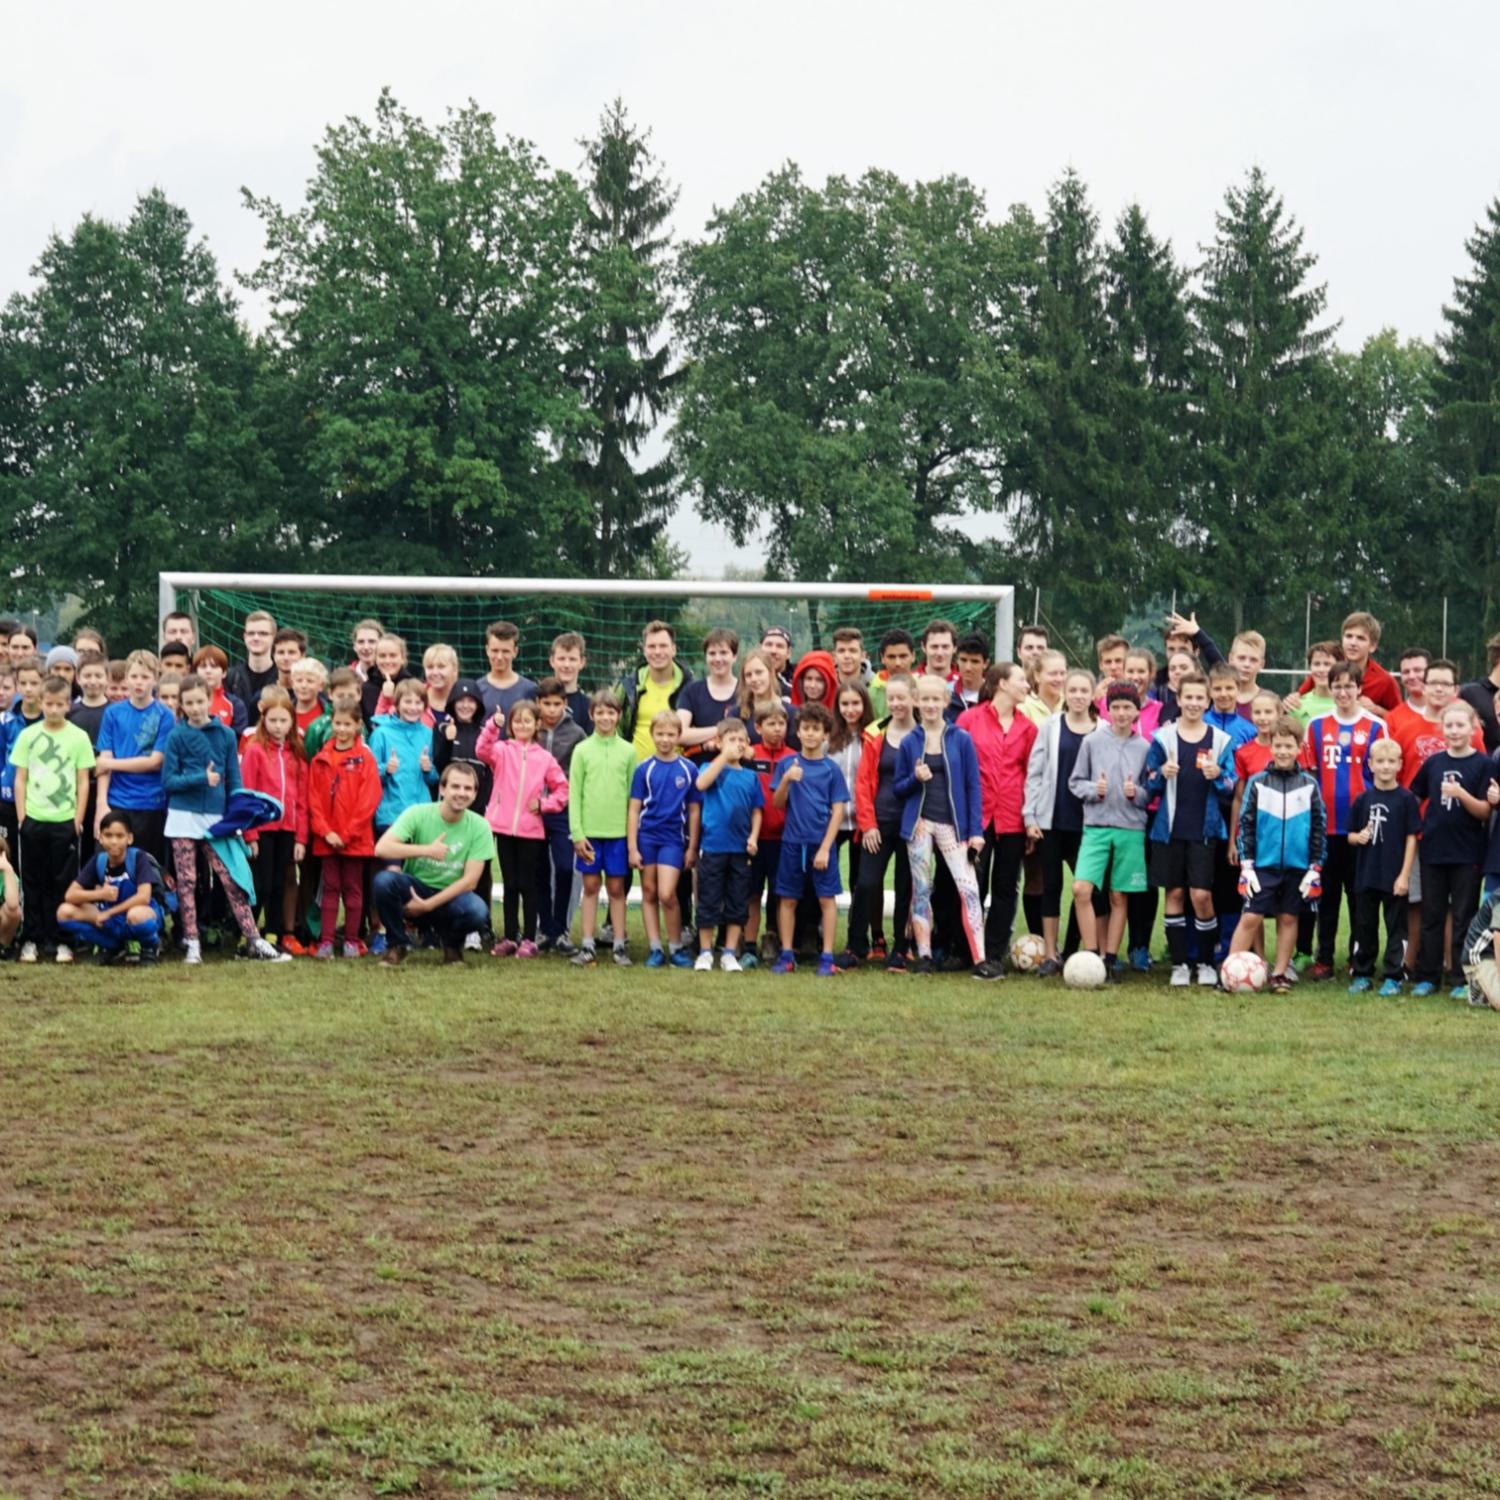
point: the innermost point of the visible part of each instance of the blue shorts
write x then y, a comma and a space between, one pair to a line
660, 851
796, 867
611, 857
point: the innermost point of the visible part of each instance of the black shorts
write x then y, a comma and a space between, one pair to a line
1280, 895
723, 889
1179, 864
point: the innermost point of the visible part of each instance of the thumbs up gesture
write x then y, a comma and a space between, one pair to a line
1169, 767
211, 776
450, 731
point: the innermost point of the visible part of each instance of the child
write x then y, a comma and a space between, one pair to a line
117, 691
26, 710
758, 688
1140, 669
1049, 674
1224, 698
559, 735
62, 661
309, 678
1383, 828
364, 638
598, 819
1247, 655
812, 680
211, 664
1360, 636
288, 647
200, 768
776, 642
1190, 767
176, 658
770, 728
1252, 757
168, 694
852, 715
343, 791
1481, 954
811, 788
1457, 785
973, 658
52, 759
458, 739
527, 784
1317, 701
10, 898
898, 651
345, 690
274, 763
1108, 780
118, 909
1109, 653
502, 685
402, 747
131, 746
733, 804
87, 713
661, 846
877, 818
566, 659
1282, 844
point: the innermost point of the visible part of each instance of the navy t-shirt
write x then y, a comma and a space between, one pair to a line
705, 709
887, 803
1451, 835
728, 804
1067, 810
811, 800
1391, 817
1192, 789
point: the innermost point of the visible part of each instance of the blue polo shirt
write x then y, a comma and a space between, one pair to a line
127, 731
810, 802
662, 787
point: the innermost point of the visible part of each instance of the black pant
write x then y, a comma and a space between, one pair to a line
1338, 888
867, 907
1443, 886
1006, 852
271, 863
520, 867
1140, 917
49, 865
1368, 907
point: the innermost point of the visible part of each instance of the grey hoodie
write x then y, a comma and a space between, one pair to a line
1118, 758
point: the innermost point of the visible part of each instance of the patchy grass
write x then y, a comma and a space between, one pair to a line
523, 1230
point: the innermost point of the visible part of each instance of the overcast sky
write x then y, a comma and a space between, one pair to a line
1375, 120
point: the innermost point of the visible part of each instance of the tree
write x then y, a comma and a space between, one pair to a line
128, 439
422, 301
1466, 410
625, 383
849, 384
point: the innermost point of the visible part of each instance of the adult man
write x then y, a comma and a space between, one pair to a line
445, 848
1034, 641
246, 678
1413, 663
178, 626
1480, 696
939, 641
649, 689
777, 644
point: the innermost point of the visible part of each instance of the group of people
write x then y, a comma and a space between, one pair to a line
365, 809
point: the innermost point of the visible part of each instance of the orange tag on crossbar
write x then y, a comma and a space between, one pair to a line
894, 594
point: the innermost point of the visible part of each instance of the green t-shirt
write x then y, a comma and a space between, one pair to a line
52, 760
469, 838
1313, 706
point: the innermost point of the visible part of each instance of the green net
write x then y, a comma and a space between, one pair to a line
610, 624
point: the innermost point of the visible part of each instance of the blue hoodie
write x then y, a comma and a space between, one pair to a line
184, 768
411, 785
963, 810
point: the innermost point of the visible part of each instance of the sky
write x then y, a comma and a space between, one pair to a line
1374, 120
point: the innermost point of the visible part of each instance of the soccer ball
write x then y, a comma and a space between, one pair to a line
1243, 973
1027, 952
1084, 971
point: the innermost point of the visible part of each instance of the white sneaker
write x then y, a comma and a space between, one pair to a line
472, 942
1291, 973
268, 954
1208, 976
64, 954
194, 953
704, 963
606, 934
28, 953
730, 963
351, 950
1181, 975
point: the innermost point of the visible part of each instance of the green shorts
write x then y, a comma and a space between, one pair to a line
1113, 857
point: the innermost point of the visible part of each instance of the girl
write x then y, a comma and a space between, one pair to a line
200, 768
1179, 664
89, 639
813, 679
274, 763
1054, 816
758, 687
343, 792
877, 817
1140, 671
852, 715
458, 739
402, 747
937, 776
211, 664
365, 637
1046, 697
528, 784
380, 685
168, 693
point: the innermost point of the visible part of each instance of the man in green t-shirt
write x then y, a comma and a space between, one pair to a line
445, 849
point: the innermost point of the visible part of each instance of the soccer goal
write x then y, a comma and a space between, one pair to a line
608, 613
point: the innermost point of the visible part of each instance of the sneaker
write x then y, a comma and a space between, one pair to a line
1049, 968
132, 951
1280, 984
621, 955
1458, 992
1320, 972
1423, 990
564, 947
293, 948
827, 969
1391, 990
1208, 977
747, 960
680, 958
473, 943
28, 953
353, 950
1112, 974
584, 956
453, 953
192, 952
786, 962
377, 944
323, 950
1293, 973
656, 959
528, 949
991, 968
64, 954
505, 948
1140, 960
704, 963
877, 951
263, 951
149, 953
1181, 975
895, 962
848, 959
1360, 986
920, 965
729, 963
393, 957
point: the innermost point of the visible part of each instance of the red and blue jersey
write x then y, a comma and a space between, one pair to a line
1338, 754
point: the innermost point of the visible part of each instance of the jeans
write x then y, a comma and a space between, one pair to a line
112, 935
554, 886
452, 922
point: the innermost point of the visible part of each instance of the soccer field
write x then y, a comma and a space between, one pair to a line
524, 1231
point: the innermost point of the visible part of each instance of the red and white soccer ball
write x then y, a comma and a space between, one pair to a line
1243, 973
1027, 952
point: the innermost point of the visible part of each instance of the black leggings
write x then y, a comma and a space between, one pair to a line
1060, 847
270, 868
520, 866
868, 909
1006, 851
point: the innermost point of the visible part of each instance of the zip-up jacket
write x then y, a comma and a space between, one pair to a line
1041, 774
1003, 760
411, 785
464, 748
1283, 823
1104, 750
628, 690
343, 791
965, 804
281, 773
524, 773
184, 767
599, 788
562, 740
1164, 746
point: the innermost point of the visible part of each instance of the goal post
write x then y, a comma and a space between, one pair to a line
608, 612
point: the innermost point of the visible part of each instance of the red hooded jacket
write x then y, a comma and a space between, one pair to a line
823, 661
280, 772
343, 791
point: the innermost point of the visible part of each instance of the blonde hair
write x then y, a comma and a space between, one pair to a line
1252, 638
438, 653
146, 659
310, 666
393, 640
927, 683
410, 687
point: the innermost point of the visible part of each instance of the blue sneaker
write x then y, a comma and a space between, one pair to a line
786, 962
1391, 990
377, 944
1423, 990
1140, 960
827, 969
1360, 987
1459, 992
680, 958
656, 959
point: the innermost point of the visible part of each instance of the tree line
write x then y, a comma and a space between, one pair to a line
478, 363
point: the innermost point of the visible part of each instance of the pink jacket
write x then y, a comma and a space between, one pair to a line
524, 773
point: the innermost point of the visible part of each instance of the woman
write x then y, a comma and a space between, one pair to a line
877, 824
706, 702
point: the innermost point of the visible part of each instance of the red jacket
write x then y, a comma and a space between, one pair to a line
823, 661
1003, 758
343, 791
867, 778
280, 772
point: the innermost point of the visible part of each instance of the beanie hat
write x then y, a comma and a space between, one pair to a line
62, 656
1121, 691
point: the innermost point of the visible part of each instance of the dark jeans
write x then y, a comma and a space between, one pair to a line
1338, 888
520, 875
1005, 852
554, 887
1444, 886
49, 863
1368, 908
452, 922
867, 904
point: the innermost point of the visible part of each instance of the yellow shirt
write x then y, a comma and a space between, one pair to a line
654, 697
1037, 711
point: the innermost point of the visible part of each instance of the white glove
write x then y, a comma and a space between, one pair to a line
1310, 882
1249, 878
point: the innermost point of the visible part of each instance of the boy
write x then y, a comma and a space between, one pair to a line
1322, 656
288, 647
87, 713
733, 803
567, 659
345, 690
131, 746
897, 653
1383, 828
1190, 767
1282, 843
766, 757
558, 734
118, 911
1224, 695
939, 641
1337, 752
175, 657
502, 685
598, 820
246, 678
660, 845
777, 644
1034, 641
973, 656
1108, 779
812, 790
1360, 636
1481, 954
52, 761
849, 657
1110, 652
117, 692
1247, 655
309, 677
26, 712
1412, 665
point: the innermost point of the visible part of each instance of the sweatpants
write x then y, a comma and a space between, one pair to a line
271, 865
343, 880
1443, 886
49, 864
1006, 852
1369, 907
1338, 890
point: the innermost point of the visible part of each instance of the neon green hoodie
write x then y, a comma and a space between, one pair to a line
599, 776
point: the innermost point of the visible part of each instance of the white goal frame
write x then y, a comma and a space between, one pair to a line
1001, 595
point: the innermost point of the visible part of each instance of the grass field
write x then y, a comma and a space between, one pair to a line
522, 1231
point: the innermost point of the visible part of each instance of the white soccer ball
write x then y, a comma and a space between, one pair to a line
1243, 973
1084, 971
1027, 952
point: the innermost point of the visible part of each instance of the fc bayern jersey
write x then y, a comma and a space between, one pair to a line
1338, 754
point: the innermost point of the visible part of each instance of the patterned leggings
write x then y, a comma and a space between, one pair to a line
185, 861
919, 850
